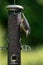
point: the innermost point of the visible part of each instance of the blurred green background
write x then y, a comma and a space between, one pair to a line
33, 10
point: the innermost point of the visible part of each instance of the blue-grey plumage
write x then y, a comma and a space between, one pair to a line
25, 25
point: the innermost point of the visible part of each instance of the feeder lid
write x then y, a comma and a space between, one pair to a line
15, 7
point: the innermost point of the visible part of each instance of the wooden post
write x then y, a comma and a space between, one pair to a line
14, 51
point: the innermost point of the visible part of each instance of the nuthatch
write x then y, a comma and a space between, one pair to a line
25, 25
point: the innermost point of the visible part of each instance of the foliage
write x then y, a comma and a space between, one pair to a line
34, 57
34, 14
33, 10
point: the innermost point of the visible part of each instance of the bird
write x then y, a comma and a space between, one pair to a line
24, 24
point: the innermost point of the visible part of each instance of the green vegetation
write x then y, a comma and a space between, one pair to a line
34, 57
33, 10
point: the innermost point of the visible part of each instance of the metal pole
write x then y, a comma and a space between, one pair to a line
14, 51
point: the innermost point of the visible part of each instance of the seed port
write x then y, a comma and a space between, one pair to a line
13, 57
